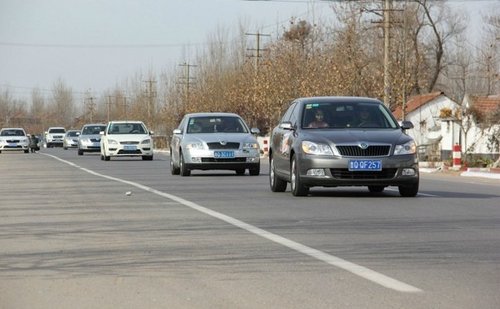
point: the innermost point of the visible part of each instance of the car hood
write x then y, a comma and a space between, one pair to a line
350, 136
127, 137
91, 136
215, 138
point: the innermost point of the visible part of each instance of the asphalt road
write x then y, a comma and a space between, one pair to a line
72, 238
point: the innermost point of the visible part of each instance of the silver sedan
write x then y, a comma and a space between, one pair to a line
214, 141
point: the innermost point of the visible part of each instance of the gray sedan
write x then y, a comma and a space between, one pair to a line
214, 141
90, 138
342, 141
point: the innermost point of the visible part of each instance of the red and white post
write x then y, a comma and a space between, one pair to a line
457, 157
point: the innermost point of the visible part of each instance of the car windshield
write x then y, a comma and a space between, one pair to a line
93, 130
13, 132
72, 133
57, 131
339, 115
126, 128
211, 124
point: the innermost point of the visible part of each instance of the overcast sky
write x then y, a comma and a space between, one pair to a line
99, 44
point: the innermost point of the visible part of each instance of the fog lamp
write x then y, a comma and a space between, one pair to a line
195, 159
408, 172
316, 172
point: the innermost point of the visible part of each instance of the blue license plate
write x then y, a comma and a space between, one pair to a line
365, 165
129, 147
223, 154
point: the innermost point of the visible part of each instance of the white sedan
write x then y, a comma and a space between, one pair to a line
126, 139
14, 139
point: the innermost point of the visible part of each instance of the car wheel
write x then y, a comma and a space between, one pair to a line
277, 184
376, 189
183, 169
240, 171
298, 189
254, 171
80, 152
147, 158
65, 148
174, 170
408, 191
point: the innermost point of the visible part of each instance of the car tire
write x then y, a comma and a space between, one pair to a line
174, 170
80, 152
254, 171
376, 189
147, 158
298, 189
408, 191
240, 171
183, 169
277, 184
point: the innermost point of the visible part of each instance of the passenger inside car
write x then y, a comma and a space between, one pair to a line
319, 120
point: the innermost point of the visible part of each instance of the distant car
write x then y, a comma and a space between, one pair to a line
71, 139
90, 138
214, 141
126, 139
54, 137
361, 145
14, 139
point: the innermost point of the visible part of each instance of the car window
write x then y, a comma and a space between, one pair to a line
288, 113
72, 133
12, 133
92, 130
57, 131
126, 128
218, 124
346, 115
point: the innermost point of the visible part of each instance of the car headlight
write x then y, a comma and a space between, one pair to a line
250, 146
197, 145
316, 148
146, 141
407, 148
112, 141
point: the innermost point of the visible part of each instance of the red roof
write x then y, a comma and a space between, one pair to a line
415, 102
486, 104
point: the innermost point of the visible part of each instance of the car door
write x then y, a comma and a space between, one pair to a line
176, 141
281, 141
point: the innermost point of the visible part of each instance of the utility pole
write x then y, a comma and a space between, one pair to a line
387, 45
151, 105
187, 77
257, 48
91, 108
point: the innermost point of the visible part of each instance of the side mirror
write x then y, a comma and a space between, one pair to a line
151, 133
287, 125
405, 125
177, 131
255, 131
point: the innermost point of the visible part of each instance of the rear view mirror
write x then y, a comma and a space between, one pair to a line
255, 131
405, 125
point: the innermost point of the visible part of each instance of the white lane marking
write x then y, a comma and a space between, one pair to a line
356, 269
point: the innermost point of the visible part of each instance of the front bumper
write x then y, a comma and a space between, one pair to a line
14, 147
206, 160
124, 151
396, 171
90, 146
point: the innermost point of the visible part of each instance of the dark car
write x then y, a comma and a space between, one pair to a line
354, 141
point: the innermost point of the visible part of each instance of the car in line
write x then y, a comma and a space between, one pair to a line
214, 141
54, 136
362, 144
126, 138
90, 138
12, 139
70, 139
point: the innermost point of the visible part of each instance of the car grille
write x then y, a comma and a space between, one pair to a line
217, 160
95, 140
129, 151
13, 141
371, 151
226, 146
129, 143
12, 147
344, 173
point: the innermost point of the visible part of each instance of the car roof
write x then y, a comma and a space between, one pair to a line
212, 114
126, 121
12, 129
93, 124
343, 99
